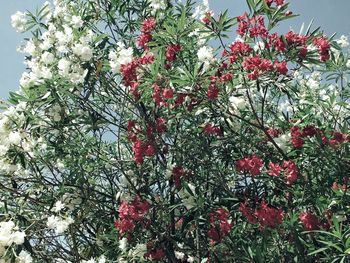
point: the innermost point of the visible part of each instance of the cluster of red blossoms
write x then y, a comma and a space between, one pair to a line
211, 129
278, 2
238, 49
154, 253
265, 215
144, 147
146, 30
219, 225
251, 164
298, 136
257, 66
213, 89
255, 26
129, 73
312, 222
207, 16
130, 213
161, 95
323, 48
289, 168
171, 52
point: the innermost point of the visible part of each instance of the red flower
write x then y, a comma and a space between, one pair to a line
277, 42
129, 213
323, 47
168, 93
269, 216
147, 27
178, 173
155, 254
172, 51
213, 92
281, 67
310, 221
219, 225
251, 164
210, 129
208, 15
265, 215
161, 125
291, 171
256, 66
274, 169
248, 213
296, 135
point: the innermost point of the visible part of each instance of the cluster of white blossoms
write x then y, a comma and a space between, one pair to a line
156, 5
237, 103
24, 257
120, 56
343, 41
60, 49
58, 223
206, 56
19, 21
11, 235
201, 10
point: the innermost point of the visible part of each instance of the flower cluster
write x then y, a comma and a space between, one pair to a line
219, 224
289, 169
148, 25
265, 215
131, 213
323, 48
255, 26
250, 164
311, 222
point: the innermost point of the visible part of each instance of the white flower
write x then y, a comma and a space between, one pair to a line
63, 225
123, 243
102, 259
179, 255
58, 224
82, 51
191, 259
15, 138
120, 57
157, 5
58, 206
30, 48
138, 251
18, 237
47, 58
238, 103
24, 257
343, 41
77, 22
19, 21
201, 10
64, 66
205, 54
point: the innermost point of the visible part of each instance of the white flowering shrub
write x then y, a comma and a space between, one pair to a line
141, 132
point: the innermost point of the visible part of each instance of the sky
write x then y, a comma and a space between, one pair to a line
331, 15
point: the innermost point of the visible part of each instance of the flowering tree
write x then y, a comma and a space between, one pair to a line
131, 139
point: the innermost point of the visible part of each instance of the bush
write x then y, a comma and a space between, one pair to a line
141, 134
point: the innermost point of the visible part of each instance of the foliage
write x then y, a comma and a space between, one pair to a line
131, 139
